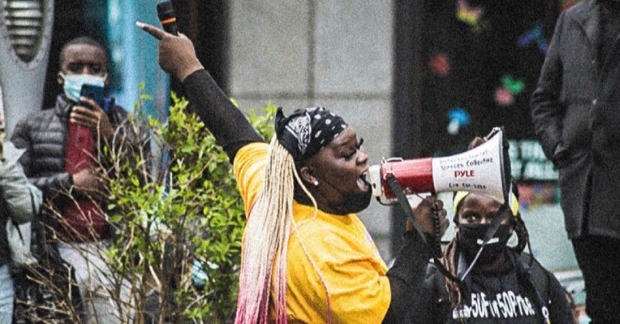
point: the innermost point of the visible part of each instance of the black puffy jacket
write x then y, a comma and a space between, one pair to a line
44, 136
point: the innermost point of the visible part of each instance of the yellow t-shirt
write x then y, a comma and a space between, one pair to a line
341, 248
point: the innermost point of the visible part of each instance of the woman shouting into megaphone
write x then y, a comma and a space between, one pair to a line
307, 258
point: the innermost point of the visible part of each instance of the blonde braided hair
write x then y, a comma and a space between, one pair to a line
264, 259
266, 240
266, 235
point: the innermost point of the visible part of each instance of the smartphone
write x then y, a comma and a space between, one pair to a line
95, 93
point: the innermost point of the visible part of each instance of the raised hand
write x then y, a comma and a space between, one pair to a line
177, 55
429, 208
93, 118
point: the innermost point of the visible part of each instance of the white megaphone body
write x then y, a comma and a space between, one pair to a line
484, 169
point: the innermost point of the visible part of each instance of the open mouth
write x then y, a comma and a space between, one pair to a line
362, 182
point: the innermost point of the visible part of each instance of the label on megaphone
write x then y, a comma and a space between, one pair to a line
478, 170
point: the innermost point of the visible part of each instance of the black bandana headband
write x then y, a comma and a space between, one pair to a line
307, 130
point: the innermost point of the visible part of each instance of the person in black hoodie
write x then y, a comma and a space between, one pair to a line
504, 285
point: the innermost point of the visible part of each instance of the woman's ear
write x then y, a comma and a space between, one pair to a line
307, 174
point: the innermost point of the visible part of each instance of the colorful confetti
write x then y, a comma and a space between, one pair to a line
532, 36
514, 86
470, 15
458, 117
505, 94
503, 97
440, 65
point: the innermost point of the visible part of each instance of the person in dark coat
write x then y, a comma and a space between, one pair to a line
576, 113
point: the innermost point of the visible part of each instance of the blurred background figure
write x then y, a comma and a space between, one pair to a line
576, 116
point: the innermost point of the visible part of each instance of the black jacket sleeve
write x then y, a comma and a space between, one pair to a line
406, 278
51, 185
230, 127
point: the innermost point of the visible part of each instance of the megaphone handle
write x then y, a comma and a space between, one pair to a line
404, 203
436, 224
436, 248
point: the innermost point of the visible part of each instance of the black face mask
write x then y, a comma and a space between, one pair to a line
470, 239
351, 202
354, 202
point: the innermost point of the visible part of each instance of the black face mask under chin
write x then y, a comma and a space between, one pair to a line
471, 236
351, 202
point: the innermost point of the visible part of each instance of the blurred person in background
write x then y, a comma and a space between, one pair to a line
576, 112
20, 202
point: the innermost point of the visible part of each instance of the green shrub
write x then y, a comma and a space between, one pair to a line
178, 216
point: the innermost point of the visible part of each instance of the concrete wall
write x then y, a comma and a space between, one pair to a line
331, 53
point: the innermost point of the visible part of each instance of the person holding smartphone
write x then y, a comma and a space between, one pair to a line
61, 144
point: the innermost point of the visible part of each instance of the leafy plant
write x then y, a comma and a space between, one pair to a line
178, 217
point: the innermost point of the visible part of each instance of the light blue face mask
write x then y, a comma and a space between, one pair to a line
72, 84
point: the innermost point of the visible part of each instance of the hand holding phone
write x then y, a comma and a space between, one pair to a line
95, 93
87, 116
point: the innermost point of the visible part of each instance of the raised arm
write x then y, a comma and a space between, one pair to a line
227, 123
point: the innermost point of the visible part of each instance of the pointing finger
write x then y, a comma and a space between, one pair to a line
154, 31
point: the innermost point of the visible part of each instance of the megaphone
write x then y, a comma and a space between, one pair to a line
484, 169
